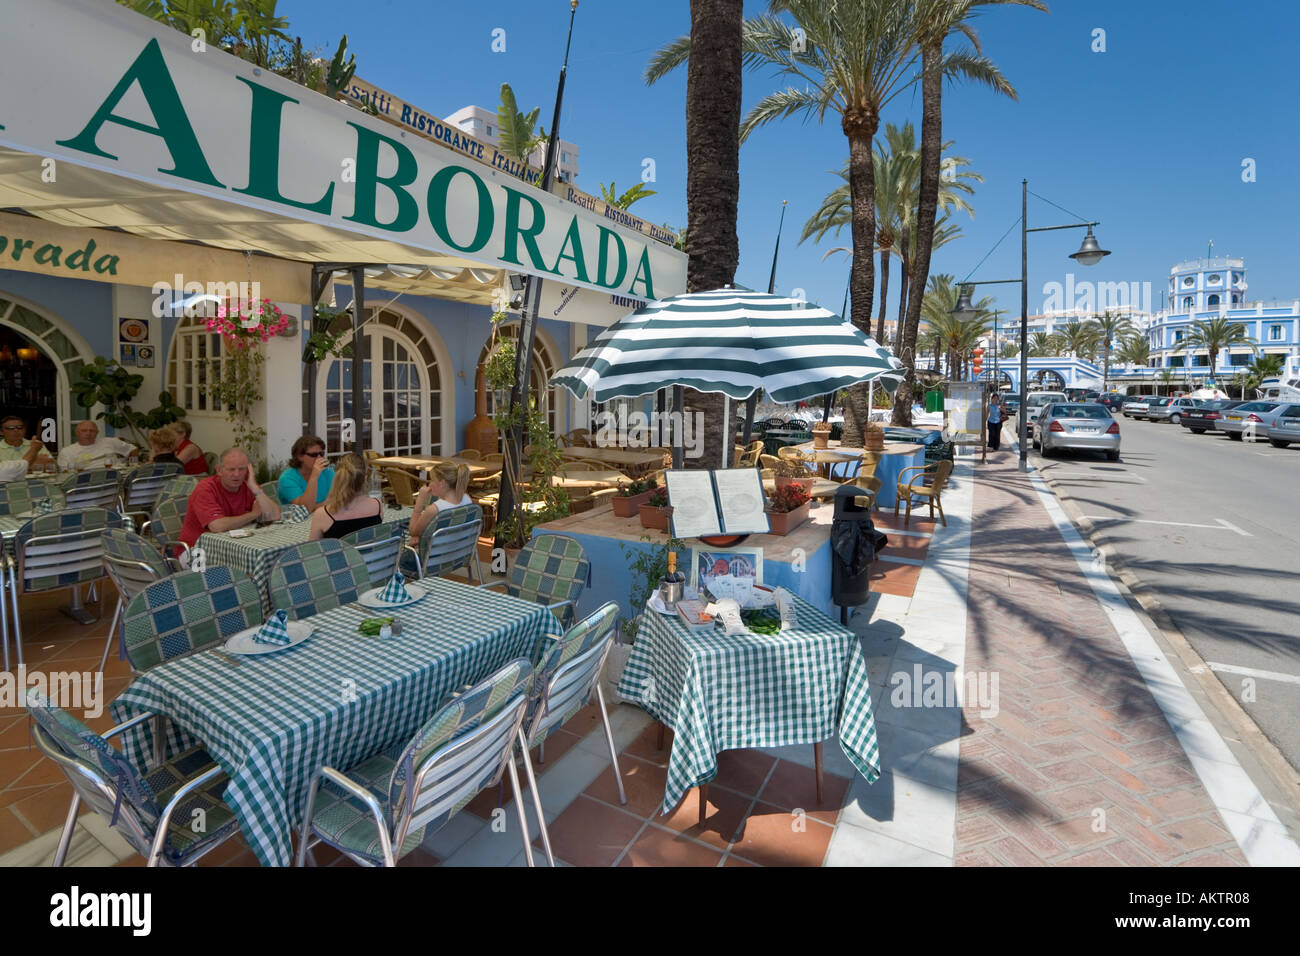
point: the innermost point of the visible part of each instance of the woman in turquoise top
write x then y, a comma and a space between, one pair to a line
308, 481
995, 422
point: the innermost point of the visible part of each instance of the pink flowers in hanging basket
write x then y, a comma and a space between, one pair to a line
243, 324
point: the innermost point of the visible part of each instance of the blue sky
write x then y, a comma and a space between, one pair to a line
1148, 137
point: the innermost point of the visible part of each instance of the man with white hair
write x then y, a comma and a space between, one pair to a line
228, 500
91, 451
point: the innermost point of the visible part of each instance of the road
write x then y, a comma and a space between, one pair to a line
1212, 527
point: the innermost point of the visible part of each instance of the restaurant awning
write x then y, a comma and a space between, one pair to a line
120, 123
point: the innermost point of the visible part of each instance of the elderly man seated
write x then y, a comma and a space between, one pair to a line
17, 448
91, 451
228, 500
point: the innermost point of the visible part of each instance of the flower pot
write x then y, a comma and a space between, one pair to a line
656, 519
629, 507
821, 436
783, 522
783, 481
873, 438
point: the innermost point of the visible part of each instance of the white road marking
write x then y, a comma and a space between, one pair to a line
1232, 527
1221, 526
1254, 672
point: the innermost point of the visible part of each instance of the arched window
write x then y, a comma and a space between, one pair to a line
1212, 301
1187, 302
193, 361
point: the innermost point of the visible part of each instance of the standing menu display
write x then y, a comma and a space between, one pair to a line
728, 501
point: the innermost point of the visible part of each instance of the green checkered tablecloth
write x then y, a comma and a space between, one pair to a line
254, 556
334, 700
751, 690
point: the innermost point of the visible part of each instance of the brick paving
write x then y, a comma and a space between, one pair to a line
1079, 767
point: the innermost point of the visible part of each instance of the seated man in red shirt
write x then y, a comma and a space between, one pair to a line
229, 499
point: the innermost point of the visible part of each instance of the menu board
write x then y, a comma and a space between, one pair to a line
729, 501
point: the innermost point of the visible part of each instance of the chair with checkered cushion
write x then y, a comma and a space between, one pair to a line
188, 612
178, 486
157, 811
95, 488
449, 542
21, 496
383, 808
63, 549
164, 526
133, 564
142, 485
380, 546
567, 673
315, 576
551, 569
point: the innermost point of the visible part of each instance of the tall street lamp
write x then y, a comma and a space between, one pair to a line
1090, 253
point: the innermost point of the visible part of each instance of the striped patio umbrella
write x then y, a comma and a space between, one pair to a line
732, 341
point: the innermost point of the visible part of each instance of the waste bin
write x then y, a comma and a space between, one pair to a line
854, 543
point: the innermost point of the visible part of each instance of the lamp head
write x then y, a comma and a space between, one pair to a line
964, 311
1090, 253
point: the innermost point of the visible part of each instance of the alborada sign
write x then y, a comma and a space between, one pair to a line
145, 104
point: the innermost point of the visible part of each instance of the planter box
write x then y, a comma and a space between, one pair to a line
629, 507
785, 522
654, 518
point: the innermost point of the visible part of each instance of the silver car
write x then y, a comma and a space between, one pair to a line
1253, 418
1285, 428
1173, 410
1136, 406
1081, 426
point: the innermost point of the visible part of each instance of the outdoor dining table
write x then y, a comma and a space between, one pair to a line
255, 555
632, 460
895, 457
589, 479
339, 697
749, 690
419, 463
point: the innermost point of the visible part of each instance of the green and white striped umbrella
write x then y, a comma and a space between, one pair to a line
731, 341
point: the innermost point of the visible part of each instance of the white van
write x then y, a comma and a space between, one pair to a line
1034, 404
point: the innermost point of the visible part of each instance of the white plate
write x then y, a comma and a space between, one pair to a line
371, 598
243, 643
240, 533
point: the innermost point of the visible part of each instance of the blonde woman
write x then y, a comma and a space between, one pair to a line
447, 484
163, 442
348, 507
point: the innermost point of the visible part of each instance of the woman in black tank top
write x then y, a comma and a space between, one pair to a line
348, 508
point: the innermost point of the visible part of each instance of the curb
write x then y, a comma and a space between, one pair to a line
1279, 769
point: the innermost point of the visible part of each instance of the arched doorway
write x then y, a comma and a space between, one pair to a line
545, 363
40, 358
1051, 379
405, 398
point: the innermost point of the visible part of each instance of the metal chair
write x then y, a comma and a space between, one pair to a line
96, 488
272, 489
551, 569
381, 809
380, 546
141, 487
133, 564
930, 490
155, 812
188, 612
316, 576
164, 526
178, 486
449, 542
64, 549
568, 673
23, 495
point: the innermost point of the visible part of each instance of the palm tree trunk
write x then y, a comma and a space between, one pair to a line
927, 206
860, 127
905, 270
713, 86
884, 294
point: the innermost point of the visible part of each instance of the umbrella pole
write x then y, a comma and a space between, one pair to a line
681, 425
751, 405
728, 436
826, 411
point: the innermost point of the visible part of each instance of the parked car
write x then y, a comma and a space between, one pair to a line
1034, 405
1155, 408
1135, 406
1207, 417
1260, 415
1010, 403
1285, 428
1082, 426
1112, 400
1173, 410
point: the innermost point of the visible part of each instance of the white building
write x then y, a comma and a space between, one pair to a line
483, 124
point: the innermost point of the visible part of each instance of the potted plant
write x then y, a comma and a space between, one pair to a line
630, 496
655, 512
873, 437
104, 382
821, 432
787, 509
792, 471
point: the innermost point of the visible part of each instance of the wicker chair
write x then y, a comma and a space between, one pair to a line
404, 485
927, 485
470, 454
871, 485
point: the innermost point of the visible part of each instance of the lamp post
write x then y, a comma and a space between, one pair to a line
1090, 253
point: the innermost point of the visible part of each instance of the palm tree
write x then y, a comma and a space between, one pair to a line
1041, 345
936, 20
518, 134
853, 58
897, 175
628, 197
1134, 349
1110, 328
946, 333
1215, 335
1079, 339
1264, 366
1010, 350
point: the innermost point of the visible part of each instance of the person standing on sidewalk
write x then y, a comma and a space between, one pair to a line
995, 422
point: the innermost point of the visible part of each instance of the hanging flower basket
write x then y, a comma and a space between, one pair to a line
246, 324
